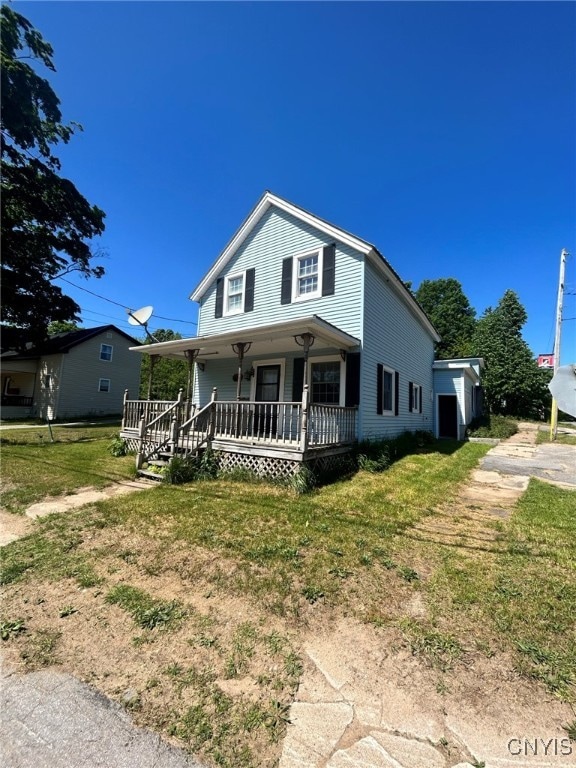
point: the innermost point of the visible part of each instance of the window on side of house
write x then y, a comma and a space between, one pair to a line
307, 272
387, 391
104, 385
106, 352
234, 294
415, 397
47, 381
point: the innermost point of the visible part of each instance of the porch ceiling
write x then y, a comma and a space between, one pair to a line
271, 339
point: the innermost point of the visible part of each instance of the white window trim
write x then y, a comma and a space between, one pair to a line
276, 361
46, 381
104, 359
415, 407
104, 391
392, 372
225, 311
318, 292
329, 359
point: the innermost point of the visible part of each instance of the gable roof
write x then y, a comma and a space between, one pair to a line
269, 200
65, 341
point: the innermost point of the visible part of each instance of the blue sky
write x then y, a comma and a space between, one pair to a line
444, 133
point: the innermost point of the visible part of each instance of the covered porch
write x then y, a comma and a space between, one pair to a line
281, 393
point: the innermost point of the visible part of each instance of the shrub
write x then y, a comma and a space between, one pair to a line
118, 447
185, 470
492, 425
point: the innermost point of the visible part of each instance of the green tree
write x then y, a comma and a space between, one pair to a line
168, 375
46, 223
61, 326
512, 382
449, 310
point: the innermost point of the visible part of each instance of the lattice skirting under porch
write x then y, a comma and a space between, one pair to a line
132, 443
262, 466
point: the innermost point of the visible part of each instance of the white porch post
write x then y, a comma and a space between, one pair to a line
304, 424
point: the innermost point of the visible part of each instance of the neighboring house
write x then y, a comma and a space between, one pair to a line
457, 395
76, 373
310, 338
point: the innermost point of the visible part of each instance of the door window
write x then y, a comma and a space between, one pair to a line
268, 383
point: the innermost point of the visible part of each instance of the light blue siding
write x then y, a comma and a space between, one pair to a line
277, 236
393, 337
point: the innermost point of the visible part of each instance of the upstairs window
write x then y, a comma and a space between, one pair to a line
307, 281
308, 275
106, 352
234, 301
104, 385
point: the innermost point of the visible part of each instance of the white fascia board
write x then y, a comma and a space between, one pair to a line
401, 291
266, 201
312, 324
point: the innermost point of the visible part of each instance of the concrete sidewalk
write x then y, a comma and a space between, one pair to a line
51, 720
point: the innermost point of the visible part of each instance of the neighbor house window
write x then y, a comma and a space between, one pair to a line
307, 273
104, 385
415, 397
47, 381
106, 352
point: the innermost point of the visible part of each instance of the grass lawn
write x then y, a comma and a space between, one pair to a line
196, 597
561, 438
33, 467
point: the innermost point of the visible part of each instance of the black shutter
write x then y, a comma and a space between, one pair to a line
249, 292
298, 379
219, 307
286, 292
410, 391
352, 379
396, 393
379, 387
421, 394
329, 270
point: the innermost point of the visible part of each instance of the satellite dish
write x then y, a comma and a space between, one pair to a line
563, 388
141, 317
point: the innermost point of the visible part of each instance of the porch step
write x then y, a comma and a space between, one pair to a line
150, 475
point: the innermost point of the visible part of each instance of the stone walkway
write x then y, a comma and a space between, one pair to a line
354, 711
14, 526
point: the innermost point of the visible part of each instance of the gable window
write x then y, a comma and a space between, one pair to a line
308, 275
106, 352
104, 385
387, 391
415, 397
234, 301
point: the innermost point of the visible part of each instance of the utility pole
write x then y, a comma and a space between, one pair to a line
559, 303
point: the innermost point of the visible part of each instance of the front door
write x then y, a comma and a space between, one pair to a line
267, 393
448, 416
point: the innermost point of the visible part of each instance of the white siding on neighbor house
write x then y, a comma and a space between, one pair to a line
395, 338
277, 236
82, 369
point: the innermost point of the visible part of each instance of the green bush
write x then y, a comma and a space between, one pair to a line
118, 446
186, 470
492, 425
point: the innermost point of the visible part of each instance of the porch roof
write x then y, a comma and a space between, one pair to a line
270, 339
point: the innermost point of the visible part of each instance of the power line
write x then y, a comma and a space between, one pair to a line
110, 301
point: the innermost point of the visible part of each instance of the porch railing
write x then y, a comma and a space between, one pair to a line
178, 427
17, 400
